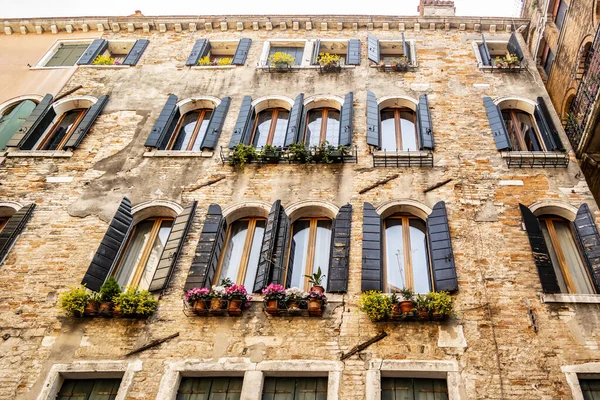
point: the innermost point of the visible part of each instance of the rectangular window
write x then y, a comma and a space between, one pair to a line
66, 55
118, 50
548, 62
210, 389
392, 51
337, 47
413, 389
295, 389
590, 388
295, 51
222, 51
89, 389
561, 14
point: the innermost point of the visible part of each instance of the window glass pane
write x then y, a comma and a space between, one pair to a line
574, 262
313, 128
296, 52
89, 389
234, 252
67, 55
590, 389
186, 131
555, 264
388, 130
420, 265
394, 255
322, 249
280, 128
409, 134
259, 233
413, 389
62, 129
263, 126
12, 119
333, 127
549, 61
133, 253
202, 131
210, 389
562, 13
299, 254
294, 389
155, 253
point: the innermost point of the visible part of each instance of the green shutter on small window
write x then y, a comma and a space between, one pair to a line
353, 54
484, 52
314, 60
35, 120
514, 47
406, 49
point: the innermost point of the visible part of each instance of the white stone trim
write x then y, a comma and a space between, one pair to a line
63, 105
15, 100
571, 372
571, 298
414, 207
14, 152
90, 369
306, 55
554, 207
311, 208
518, 103
155, 208
398, 101
9, 208
194, 103
265, 102
323, 100
178, 153
253, 208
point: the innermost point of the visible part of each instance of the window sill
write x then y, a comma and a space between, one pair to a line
535, 159
571, 298
40, 153
175, 153
388, 68
300, 67
398, 159
106, 66
37, 67
213, 66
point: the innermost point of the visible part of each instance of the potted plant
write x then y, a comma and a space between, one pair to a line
135, 303
206, 61
242, 154
400, 65
217, 303
298, 152
382, 65
75, 300
281, 61
238, 298
225, 61
91, 309
422, 306
377, 305
396, 312
197, 299
270, 154
329, 62
315, 280
322, 153
337, 155
105, 60
440, 305
316, 303
273, 295
407, 305
295, 299
108, 291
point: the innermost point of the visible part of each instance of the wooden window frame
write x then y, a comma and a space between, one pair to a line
398, 125
406, 244
199, 120
274, 118
243, 268
520, 134
324, 119
3, 222
55, 126
138, 271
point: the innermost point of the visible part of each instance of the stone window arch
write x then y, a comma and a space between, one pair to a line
7, 210
13, 113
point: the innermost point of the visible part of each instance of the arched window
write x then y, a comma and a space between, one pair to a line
398, 129
12, 118
239, 260
61, 130
191, 130
270, 127
322, 124
523, 131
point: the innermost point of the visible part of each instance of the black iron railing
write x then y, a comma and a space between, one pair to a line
312, 156
398, 159
536, 159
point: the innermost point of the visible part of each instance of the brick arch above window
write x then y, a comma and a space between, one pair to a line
311, 208
196, 103
155, 208
276, 101
323, 100
554, 207
255, 208
516, 103
409, 206
398, 101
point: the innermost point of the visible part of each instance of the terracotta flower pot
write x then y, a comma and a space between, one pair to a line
217, 306
91, 309
272, 307
396, 312
199, 307
117, 313
319, 289
406, 306
315, 307
437, 316
235, 307
106, 309
293, 307
423, 315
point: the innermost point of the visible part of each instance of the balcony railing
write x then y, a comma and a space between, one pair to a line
536, 159
312, 156
398, 159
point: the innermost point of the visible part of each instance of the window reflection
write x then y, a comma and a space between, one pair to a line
62, 130
323, 124
270, 127
398, 129
191, 130
309, 250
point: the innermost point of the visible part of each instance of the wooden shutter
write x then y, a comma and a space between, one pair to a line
173, 247
589, 239
440, 250
514, 47
215, 126
279, 257
373, 120
484, 52
97, 47
241, 126
241, 52
163, 123
33, 123
265, 262
314, 60
425, 125
353, 53
346, 115
549, 131
497, 124
110, 247
293, 128
211, 242
134, 55
406, 49
200, 49
86, 123
337, 281
13, 228
372, 265
373, 49
539, 248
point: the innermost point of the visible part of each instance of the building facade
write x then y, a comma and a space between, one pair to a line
447, 172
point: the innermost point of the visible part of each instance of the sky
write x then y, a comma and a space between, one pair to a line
74, 8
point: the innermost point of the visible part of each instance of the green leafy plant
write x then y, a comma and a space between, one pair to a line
421, 303
440, 303
401, 64
299, 152
104, 60
281, 59
270, 153
109, 290
509, 61
75, 300
377, 305
242, 154
407, 294
316, 278
225, 61
323, 152
134, 302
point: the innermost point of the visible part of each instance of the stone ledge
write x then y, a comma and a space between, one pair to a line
213, 66
105, 66
571, 298
175, 153
40, 154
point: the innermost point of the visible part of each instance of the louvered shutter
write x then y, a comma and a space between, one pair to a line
541, 256
337, 281
35, 134
163, 123
241, 52
293, 128
215, 126
484, 52
302, 132
134, 55
497, 124
211, 243
440, 248
290, 266
35, 120
315, 54
173, 247
86, 123
372, 264
514, 47
373, 120
549, 131
373, 49
265, 262
200, 49
241, 126
353, 53
279, 257
110, 247
425, 125
13, 228
589, 239
406, 49
346, 115
97, 47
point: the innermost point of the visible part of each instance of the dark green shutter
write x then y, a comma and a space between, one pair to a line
497, 124
589, 239
200, 49
406, 49
97, 47
163, 123
134, 55
86, 123
346, 115
290, 265
541, 255
215, 126
314, 60
35, 123
240, 131
514, 47
373, 120
440, 249
279, 257
110, 247
425, 125
337, 281
293, 128
173, 247
373, 49
241, 52
265, 262
372, 264
548, 129
13, 228
484, 52
353, 53
211, 243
